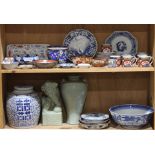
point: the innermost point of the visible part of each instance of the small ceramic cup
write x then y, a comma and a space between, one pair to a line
128, 60
114, 61
144, 60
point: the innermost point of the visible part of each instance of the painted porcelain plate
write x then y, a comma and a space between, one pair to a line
80, 43
123, 42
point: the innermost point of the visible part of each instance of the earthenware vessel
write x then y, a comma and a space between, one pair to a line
23, 107
74, 91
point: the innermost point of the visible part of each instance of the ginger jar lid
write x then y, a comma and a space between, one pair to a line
22, 90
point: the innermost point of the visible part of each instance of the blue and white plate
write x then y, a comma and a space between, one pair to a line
123, 42
80, 42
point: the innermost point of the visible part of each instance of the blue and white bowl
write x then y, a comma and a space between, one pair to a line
131, 116
58, 53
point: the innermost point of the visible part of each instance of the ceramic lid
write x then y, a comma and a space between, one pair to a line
23, 88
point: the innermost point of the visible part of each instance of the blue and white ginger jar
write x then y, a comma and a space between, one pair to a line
23, 107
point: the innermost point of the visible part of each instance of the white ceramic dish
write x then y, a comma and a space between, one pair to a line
83, 65
10, 66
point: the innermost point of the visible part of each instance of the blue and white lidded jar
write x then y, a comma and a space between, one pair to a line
23, 107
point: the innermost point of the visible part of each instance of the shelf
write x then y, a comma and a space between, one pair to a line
81, 70
67, 126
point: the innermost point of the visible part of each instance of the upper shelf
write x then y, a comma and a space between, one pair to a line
81, 70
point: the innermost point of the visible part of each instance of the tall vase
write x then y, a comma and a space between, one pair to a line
73, 91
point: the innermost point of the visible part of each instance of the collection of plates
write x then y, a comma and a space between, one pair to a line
80, 42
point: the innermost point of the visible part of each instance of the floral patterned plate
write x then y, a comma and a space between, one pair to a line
80, 43
123, 42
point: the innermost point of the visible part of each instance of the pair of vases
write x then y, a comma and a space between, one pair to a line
23, 104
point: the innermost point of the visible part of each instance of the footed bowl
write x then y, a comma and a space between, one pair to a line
131, 116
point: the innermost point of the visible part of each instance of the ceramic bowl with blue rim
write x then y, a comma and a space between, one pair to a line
131, 116
58, 53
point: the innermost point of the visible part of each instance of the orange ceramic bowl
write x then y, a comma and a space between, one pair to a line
45, 63
82, 60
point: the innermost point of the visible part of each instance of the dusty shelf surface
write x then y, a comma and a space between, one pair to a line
67, 126
81, 70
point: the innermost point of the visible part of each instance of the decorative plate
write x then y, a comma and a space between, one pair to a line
80, 43
25, 50
123, 42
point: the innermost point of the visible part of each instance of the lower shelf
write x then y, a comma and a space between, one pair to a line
67, 126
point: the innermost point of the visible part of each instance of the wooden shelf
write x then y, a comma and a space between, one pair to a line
81, 70
67, 126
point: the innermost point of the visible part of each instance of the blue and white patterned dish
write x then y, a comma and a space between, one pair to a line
80, 43
94, 118
123, 42
66, 65
131, 116
31, 50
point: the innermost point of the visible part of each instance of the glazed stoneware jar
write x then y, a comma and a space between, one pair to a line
23, 107
74, 91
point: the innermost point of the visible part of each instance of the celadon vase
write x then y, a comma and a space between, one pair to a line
74, 91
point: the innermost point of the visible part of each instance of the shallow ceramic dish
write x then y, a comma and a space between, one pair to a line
83, 65
80, 43
82, 60
13, 65
95, 126
45, 63
66, 65
123, 42
94, 117
132, 116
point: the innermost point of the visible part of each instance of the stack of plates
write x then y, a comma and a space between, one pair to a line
94, 121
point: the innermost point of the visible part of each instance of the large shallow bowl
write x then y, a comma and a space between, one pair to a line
10, 66
131, 115
45, 63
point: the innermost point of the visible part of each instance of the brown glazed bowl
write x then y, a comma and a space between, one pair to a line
45, 63
99, 62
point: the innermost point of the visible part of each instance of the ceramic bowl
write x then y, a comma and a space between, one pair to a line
10, 65
45, 63
131, 116
99, 62
58, 53
82, 60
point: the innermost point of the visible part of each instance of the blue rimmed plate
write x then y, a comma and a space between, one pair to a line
123, 42
80, 42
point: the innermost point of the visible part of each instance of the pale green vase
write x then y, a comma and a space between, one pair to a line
74, 91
